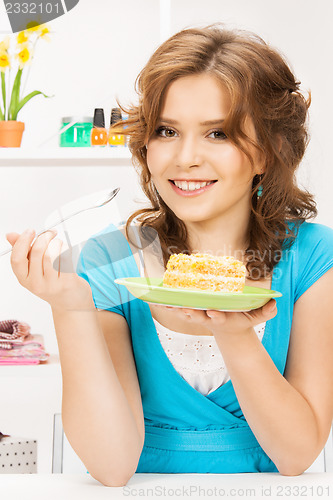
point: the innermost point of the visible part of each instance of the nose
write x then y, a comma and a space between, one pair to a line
188, 153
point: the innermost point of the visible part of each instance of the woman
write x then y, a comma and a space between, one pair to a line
217, 136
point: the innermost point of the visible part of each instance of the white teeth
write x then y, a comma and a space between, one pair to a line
191, 186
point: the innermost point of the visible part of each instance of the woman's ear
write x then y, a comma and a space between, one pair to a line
260, 165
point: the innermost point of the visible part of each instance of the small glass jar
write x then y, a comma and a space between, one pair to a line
77, 135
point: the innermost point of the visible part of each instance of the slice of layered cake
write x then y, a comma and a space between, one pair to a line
205, 272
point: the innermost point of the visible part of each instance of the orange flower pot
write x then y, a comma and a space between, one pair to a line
11, 133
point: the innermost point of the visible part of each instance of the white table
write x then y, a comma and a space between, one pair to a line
147, 486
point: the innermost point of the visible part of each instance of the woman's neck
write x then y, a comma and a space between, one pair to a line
228, 237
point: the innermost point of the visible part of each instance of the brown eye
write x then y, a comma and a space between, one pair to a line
165, 132
218, 134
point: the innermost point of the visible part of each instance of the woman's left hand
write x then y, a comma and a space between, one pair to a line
226, 321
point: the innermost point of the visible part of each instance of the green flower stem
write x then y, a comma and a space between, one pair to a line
3, 86
8, 92
12, 114
2, 116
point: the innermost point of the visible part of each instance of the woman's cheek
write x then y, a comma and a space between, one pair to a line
152, 154
159, 147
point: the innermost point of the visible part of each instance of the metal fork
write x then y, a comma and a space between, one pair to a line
99, 204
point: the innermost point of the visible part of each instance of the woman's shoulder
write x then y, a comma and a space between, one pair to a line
311, 234
108, 244
313, 256
313, 249
109, 233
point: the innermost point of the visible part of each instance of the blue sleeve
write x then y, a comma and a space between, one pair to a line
96, 264
314, 255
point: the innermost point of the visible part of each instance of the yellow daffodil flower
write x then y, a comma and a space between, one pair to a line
4, 45
24, 55
44, 32
22, 37
4, 61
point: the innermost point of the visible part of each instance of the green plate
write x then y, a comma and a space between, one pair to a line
151, 290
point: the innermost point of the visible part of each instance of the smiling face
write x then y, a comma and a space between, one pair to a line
189, 149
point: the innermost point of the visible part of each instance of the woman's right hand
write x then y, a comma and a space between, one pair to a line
33, 267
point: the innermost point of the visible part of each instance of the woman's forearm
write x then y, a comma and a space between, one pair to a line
279, 416
97, 418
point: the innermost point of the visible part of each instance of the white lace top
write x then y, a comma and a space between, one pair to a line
196, 358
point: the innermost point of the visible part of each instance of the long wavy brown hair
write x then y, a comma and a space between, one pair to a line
263, 88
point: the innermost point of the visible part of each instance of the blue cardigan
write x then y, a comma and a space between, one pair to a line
185, 431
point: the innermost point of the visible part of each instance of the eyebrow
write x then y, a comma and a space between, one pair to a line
208, 122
